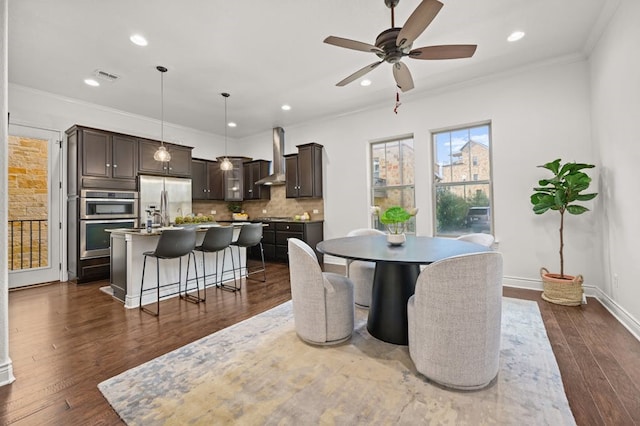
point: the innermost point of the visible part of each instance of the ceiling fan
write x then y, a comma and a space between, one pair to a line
395, 43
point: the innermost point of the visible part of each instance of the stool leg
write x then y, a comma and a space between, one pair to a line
186, 296
233, 269
144, 265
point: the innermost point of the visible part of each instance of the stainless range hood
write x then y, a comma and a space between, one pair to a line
277, 178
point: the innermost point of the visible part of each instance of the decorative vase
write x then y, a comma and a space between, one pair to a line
396, 239
561, 291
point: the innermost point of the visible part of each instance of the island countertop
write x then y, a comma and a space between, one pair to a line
202, 227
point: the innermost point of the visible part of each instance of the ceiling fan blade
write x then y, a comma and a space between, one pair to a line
356, 75
352, 44
403, 76
418, 22
450, 51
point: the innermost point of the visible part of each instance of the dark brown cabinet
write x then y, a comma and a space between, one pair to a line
233, 181
276, 234
206, 180
303, 172
103, 159
180, 164
252, 172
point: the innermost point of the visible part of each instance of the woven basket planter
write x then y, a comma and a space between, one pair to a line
561, 291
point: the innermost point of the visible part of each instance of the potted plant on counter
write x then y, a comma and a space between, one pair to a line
560, 193
395, 219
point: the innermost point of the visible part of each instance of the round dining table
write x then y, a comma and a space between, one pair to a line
397, 269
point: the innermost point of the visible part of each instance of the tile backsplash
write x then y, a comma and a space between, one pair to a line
277, 206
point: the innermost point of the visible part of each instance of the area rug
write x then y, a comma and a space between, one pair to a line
259, 372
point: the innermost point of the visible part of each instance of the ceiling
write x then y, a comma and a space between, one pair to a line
268, 53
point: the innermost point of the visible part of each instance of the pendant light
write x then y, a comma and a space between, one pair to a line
162, 154
226, 164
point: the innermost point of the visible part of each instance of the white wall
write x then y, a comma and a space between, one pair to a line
42, 109
615, 105
6, 367
537, 115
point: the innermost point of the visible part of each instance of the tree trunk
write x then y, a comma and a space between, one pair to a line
561, 243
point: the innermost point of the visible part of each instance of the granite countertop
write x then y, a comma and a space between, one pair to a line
201, 227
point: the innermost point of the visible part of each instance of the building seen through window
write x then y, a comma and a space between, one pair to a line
462, 205
392, 177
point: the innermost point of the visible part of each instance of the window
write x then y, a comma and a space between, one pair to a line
462, 206
392, 182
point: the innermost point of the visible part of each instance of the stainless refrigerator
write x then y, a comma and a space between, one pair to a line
178, 192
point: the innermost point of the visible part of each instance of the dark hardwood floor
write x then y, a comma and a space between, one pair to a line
66, 338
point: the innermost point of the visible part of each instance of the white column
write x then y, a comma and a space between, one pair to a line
6, 367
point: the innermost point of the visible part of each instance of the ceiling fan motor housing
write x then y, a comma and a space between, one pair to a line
387, 42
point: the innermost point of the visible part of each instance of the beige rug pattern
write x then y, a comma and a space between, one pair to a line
260, 372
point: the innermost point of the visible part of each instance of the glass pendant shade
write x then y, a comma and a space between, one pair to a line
162, 154
226, 164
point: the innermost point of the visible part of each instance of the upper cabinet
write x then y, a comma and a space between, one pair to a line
180, 164
252, 172
303, 172
100, 159
206, 180
233, 180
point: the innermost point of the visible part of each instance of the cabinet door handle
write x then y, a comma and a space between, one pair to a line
108, 165
115, 165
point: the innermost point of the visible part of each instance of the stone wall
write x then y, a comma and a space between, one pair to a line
28, 201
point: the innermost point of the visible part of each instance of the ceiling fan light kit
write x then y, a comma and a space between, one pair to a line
396, 43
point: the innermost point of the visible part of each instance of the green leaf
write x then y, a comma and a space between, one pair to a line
576, 209
586, 197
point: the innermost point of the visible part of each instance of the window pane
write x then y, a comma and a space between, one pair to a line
462, 181
392, 176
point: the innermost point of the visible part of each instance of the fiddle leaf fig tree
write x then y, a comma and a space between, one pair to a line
561, 192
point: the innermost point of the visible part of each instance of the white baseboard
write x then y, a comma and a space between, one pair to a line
6, 373
626, 319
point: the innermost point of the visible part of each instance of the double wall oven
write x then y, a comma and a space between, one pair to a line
101, 210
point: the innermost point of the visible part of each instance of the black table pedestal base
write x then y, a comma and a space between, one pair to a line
393, 285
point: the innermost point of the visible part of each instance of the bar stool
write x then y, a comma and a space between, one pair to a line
216, 240
173, 243
250, 236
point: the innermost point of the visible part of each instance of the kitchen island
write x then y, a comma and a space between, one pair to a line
127, 248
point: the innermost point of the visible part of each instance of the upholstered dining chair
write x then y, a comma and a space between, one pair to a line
172, 244
478, 238
454, 320
323, 309
361, 272
216, 240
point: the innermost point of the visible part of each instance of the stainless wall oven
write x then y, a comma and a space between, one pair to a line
108, 204
94, 240
101, 210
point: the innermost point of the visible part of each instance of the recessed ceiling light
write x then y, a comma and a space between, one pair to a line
515, 36
231, 124
91, 82
365, 82
138, 39
286, 107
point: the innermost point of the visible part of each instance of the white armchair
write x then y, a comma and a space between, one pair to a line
478, 238
454, 320
323, 309
361, 272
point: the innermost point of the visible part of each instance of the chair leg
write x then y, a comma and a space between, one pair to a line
263, 270
186, 296
142, 308
224, 286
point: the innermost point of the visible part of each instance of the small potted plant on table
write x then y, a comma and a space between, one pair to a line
560, 193
395, 219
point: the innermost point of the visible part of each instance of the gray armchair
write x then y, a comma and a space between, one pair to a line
361, 272
323, 309
454, 320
